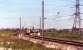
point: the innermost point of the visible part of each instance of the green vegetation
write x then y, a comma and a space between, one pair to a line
64, 36
26, 45
18, 44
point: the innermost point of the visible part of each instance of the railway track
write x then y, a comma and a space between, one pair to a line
58, 41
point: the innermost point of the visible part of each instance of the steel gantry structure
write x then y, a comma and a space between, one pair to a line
77, 20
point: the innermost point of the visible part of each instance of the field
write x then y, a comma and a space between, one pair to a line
18, 44
64, 36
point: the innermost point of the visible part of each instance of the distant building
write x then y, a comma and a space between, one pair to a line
50, 30
67, 30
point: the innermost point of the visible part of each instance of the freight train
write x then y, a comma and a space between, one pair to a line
27, 32
32, 32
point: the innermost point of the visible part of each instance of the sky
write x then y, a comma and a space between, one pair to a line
30, 11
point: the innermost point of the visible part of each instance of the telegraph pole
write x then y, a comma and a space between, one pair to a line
42, 17
77, 19
40, 24
20, 23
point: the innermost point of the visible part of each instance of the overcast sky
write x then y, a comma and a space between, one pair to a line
30, 11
